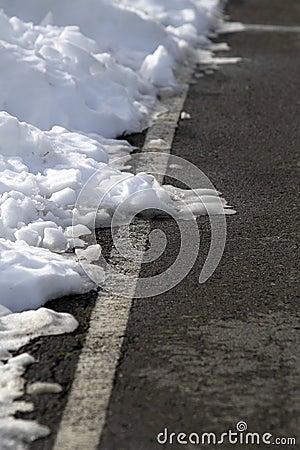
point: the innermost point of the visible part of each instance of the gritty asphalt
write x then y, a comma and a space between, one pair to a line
200, 358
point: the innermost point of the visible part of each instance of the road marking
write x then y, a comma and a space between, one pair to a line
84, 415
271, 28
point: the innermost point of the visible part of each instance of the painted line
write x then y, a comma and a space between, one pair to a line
271, 28
84, 415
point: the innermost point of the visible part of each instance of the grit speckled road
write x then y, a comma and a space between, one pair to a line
201, 358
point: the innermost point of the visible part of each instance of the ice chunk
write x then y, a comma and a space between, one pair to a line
91, 253
66, 196
184, 115
77, 231
55, 240
158, 69
31, 237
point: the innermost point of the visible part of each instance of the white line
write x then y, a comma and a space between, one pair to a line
271, 28
84, 416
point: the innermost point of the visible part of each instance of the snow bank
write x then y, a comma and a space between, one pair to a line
130, 35
187, 20
61, 72
131, 31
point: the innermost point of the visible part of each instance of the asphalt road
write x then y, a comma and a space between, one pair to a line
201, 358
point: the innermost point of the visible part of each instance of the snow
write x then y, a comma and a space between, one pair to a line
74, 75
31, 275
158, 68
185, 116
79, 87
44, 388
116, 29
17, 330
91, 253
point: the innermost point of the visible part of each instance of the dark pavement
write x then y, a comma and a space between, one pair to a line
200, 358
